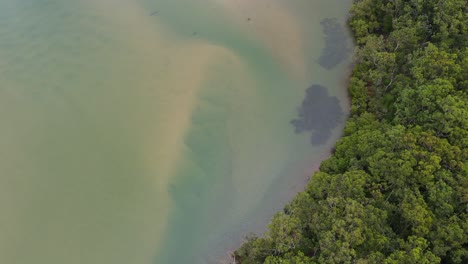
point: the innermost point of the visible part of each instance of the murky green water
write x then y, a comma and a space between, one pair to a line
159, 131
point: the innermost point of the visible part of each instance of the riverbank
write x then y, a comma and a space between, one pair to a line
394, 190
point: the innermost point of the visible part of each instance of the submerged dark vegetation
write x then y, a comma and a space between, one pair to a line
318, 104
396, 187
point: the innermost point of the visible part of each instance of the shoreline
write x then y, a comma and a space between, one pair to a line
307, 171
379, 197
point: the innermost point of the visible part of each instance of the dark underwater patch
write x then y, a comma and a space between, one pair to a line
337, 44
318, 114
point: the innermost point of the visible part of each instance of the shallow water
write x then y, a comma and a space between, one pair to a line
160, 131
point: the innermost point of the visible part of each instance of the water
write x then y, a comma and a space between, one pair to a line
160, 131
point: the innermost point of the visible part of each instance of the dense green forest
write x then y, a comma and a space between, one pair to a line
396, 187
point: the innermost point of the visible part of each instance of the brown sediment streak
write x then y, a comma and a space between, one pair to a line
100, 119
175, 92
276, 27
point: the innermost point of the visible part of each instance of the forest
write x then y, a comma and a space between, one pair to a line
395, 189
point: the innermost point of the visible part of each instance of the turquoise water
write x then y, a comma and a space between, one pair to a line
157, 131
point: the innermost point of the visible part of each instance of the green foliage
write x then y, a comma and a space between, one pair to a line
396, 188
297, 258
413, 250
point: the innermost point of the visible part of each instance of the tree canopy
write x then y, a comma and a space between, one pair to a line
396, 187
